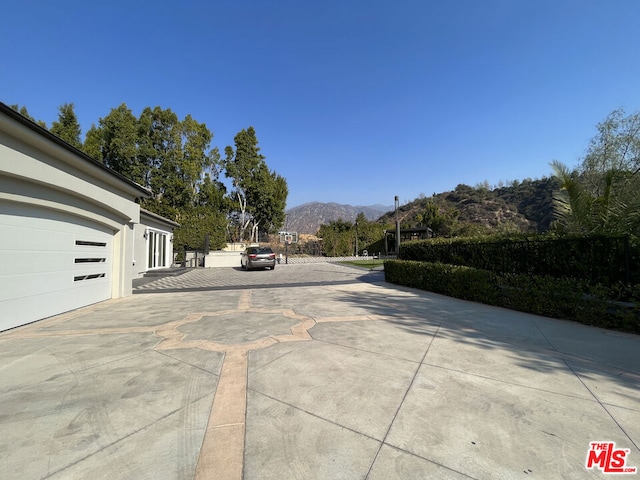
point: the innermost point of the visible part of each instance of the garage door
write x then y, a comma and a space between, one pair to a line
50, 263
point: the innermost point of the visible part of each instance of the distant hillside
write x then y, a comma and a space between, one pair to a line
307, 218
525, 206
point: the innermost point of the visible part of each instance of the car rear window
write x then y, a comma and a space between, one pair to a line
264, 250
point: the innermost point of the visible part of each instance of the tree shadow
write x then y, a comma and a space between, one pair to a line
532, 342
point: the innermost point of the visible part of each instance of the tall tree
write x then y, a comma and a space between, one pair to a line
197, 161
370, 235
259, 195
172, 158
25, 113
440, 224
206, 219
183, 174
616, 147
268, 201
338, 238
603, 194
67, 126
160, 153
92, 145
115, 143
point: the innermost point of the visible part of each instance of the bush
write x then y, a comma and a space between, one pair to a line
598, 259
566, 298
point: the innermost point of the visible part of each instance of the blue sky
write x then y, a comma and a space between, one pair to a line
352, 101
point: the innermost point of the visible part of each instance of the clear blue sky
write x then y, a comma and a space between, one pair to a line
352, 101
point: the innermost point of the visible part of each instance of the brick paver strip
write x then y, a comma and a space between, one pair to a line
222, 452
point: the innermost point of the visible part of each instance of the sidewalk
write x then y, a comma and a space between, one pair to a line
310, 371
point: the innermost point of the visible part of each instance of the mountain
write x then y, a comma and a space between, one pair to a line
308, 217
524, 206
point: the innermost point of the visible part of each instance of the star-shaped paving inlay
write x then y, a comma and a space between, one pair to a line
233, 332
245, 329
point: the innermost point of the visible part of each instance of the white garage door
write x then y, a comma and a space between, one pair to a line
50, 263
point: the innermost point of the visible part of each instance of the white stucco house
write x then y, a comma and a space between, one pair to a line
71, 230
153, 245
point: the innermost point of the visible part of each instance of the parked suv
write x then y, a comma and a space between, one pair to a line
258, 257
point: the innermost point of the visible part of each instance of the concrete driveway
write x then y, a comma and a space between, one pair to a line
314, 371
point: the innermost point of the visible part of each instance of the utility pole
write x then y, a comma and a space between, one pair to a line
397, 228
356, 238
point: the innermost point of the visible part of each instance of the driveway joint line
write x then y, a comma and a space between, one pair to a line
315, 415
404, 397
615, 420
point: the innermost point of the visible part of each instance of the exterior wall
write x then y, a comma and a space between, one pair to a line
39, 177
156, 225
219, 258
139, 261
123, 254
42, 174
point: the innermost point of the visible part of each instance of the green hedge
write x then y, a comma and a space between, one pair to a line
598, 259
566, 298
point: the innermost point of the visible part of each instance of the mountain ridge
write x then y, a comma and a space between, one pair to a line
308, 217
525, 206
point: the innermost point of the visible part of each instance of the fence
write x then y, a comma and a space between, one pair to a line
301, 260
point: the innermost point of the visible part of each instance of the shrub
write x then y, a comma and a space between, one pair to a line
598, 259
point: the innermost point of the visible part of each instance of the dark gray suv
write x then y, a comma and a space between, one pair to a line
258, 257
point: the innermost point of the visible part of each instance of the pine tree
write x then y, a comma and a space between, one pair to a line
67, 126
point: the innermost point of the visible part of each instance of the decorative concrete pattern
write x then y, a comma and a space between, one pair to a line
310, 371
222, 450
221, 455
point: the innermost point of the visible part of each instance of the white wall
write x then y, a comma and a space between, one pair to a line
150, 222
54, 180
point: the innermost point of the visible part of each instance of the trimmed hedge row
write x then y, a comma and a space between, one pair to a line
599, 259
566, 298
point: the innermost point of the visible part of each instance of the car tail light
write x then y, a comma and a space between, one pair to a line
253, 255
272, 256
